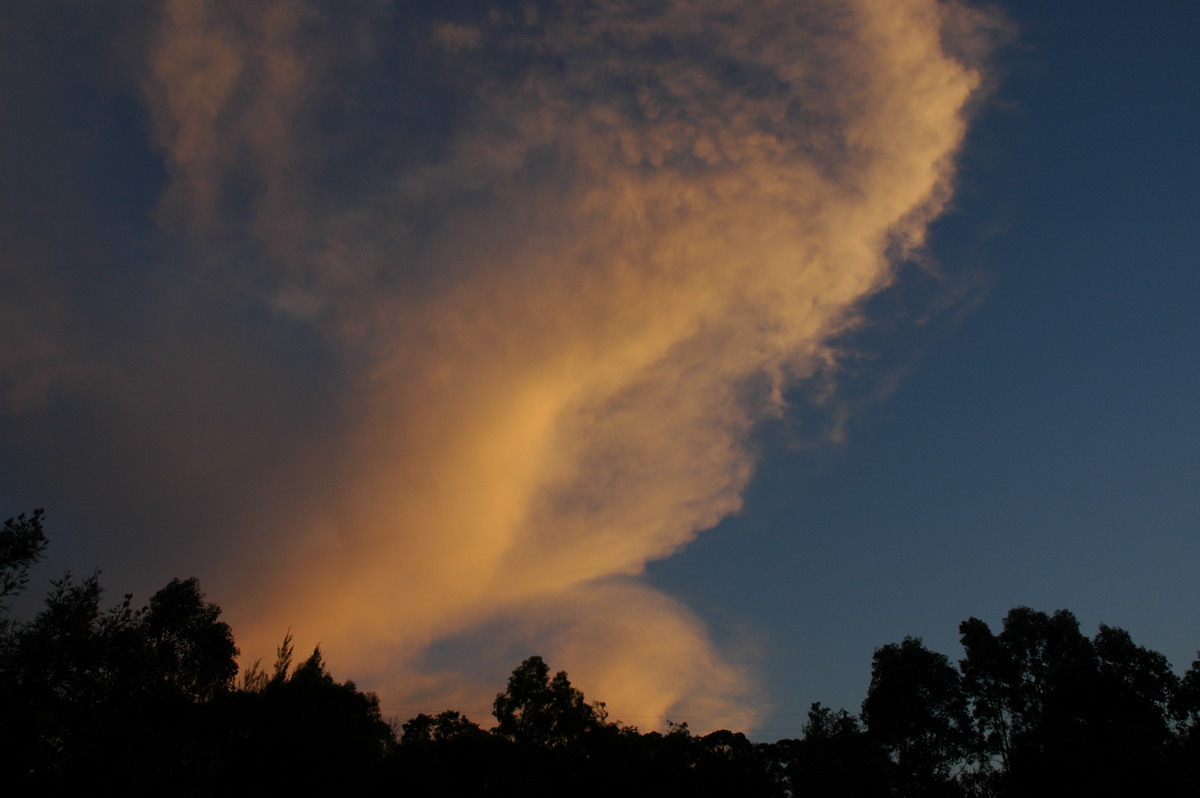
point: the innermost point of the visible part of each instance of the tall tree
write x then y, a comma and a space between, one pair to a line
191, 648
1186, 712
304, 731
539, 710
22, 542
1058, 713
916, 709
836, 758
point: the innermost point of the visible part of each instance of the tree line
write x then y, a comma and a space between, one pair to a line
147, 701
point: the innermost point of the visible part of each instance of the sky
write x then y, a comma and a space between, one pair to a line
698, 347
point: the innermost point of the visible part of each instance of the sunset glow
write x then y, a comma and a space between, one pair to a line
424, 330
640, 227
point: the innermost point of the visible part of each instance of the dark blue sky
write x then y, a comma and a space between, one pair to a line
1044, 449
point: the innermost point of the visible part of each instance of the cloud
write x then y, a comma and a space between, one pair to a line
551, 264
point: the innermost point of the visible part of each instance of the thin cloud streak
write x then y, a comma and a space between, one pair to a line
565, 257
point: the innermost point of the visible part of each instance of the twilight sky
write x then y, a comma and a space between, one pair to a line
699, 346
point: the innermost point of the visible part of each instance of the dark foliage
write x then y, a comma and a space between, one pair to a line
1056, 713
836, 758
304, 731
22, 542
916, 711
143, 701
539, 711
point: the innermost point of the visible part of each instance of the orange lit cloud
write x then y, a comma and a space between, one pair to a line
566, 257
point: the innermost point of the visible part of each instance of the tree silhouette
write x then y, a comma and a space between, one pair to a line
916, 710
444, 726
836, 758
1058, 713
22, 542
142, 701
303, 730
191, 650
538, 710
1185, 711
